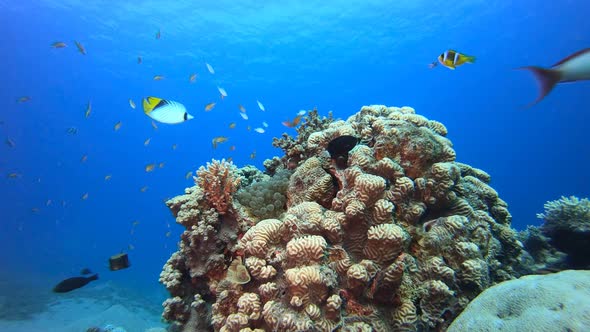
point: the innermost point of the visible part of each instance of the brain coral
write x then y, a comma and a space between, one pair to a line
399, 239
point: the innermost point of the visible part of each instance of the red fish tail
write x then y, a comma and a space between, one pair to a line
546, 79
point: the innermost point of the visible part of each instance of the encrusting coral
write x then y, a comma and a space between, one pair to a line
396, 237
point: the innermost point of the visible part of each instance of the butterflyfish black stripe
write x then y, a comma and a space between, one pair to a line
185, 116
161, 103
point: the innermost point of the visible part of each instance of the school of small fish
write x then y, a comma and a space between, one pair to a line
159, 110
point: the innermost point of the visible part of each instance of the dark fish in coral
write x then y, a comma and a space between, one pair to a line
452, 59
70, 284
574, 67
339, 148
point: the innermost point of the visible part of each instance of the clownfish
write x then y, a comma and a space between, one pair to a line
452, 59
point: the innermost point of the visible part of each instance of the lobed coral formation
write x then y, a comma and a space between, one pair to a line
400, 238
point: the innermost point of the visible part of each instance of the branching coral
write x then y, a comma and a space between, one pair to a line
219, 182
296, 148
567, 226
398, 236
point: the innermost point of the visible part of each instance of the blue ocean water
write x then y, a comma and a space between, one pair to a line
290, 55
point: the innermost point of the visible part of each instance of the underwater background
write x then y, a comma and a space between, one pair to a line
289, 55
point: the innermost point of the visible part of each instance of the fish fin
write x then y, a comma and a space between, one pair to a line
546, 78
469, 59
93, 277
150, 103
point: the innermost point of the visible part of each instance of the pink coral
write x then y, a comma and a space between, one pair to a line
219, 183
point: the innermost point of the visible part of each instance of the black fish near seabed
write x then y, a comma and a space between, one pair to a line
70, 284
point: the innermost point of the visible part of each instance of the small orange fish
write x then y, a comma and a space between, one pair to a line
107, 177
84, 158
130, 247
232, 148
23, 99
242, 109
117, 126
292, 124
188, 175
168, 233
158, 34
143, 189
253, 154
192, 78
131, 103
150, 167
13, 175
209, 107
154, 125
158, 77
217, 140
232, 125
80, 47
88, 109
85, 196
173, 146
10, 142
248, 128
147, 142
135, 223
161, 165
139, 59
229, 159
58, 44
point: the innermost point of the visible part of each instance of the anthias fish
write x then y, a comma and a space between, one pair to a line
575, 67
70, 284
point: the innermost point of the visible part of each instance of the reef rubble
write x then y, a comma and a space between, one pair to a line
396, 236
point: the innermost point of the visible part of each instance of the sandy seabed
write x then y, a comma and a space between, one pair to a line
25, 310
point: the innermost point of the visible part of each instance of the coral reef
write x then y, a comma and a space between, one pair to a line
563, 240
554, 302
219, 183
396, 236
266, 198
296, 149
